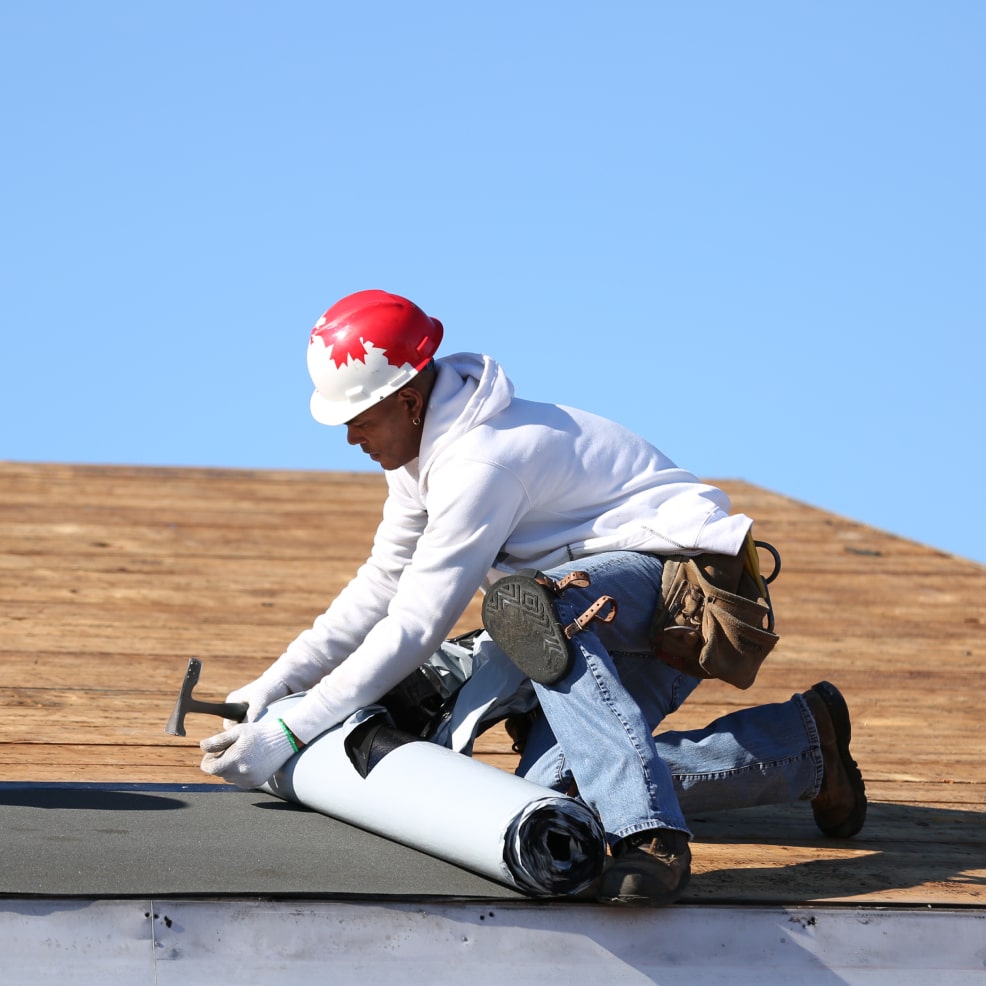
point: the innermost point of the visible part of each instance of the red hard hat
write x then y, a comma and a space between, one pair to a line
364, 348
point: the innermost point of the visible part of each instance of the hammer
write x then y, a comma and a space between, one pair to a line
186, 704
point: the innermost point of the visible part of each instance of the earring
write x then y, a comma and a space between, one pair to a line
416, 422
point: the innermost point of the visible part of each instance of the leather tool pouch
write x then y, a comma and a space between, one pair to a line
716, 619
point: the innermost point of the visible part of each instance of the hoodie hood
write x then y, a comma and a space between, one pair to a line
469, 390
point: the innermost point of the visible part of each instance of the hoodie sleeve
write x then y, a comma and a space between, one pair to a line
423, 572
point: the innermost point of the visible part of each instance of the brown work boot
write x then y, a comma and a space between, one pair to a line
840, 805
648, 869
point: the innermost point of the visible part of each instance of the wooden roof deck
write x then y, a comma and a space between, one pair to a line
111, 577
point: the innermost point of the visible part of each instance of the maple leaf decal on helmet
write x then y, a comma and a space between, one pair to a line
342, 347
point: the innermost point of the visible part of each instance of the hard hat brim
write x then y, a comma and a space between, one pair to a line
327, 412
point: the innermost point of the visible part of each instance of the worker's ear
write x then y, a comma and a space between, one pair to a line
412, 401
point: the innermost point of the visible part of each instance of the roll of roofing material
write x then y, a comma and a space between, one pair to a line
446, 804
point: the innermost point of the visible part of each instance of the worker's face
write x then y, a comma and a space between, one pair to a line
386, 432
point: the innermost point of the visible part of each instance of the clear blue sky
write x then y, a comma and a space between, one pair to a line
753, 232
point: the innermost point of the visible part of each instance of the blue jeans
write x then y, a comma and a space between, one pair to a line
597, 725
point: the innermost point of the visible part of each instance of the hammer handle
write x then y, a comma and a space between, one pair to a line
228, 710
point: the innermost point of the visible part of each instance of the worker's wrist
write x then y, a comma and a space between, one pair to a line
296, 743
307, 718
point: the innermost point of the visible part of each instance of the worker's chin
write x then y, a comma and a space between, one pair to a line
393, 462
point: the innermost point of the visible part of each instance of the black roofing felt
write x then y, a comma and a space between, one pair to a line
96, 840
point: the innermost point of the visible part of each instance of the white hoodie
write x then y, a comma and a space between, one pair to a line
500, 484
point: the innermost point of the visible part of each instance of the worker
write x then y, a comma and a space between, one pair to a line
567, 521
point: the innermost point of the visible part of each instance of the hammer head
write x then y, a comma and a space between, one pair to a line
176, 724
185, 704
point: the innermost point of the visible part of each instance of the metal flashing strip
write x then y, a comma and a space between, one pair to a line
180, 942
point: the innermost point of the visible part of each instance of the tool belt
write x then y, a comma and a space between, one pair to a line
715, 619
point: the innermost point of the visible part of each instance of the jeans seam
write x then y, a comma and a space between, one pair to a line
736, 771
652, 790
814, 743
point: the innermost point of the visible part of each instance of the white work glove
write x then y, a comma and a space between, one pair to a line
257, 695
248, 753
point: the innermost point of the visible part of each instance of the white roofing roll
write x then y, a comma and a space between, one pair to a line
446, 804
